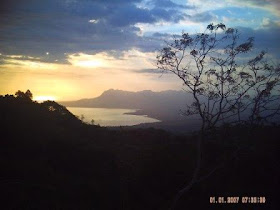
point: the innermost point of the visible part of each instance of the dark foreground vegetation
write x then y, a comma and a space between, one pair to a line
51, 160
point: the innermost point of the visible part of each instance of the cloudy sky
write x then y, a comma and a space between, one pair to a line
72, 49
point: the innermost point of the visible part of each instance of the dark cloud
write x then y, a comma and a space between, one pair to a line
152, 71
32, 27
34, 36
164, 37
158, 34
171, 15
129, 15
203, 17
262, 3
169, 4
57, 5
267, 38
61, 27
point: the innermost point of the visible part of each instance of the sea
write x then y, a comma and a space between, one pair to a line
110, 117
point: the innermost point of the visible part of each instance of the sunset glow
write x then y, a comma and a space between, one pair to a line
44, 98
87, 61
78, 49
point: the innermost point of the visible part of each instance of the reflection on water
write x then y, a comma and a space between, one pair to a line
110, 117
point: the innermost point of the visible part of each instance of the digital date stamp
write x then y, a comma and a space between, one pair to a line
237, 199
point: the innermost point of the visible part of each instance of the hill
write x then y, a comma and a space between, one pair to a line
51, 160
165, 105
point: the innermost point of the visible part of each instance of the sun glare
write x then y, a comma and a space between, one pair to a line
87, 61
44, 98
89, 64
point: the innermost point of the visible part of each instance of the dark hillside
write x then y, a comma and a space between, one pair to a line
45, 163
51, 160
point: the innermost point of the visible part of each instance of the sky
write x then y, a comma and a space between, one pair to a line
73, 49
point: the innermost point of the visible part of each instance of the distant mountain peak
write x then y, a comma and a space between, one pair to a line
147, 91
141, 91
163, 105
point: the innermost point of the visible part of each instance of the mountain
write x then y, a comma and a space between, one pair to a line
165, 105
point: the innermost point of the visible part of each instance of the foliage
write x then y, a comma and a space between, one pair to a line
25, 96
227, 84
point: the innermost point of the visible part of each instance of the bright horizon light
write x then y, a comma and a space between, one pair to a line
44, 98
76, 52
88, 61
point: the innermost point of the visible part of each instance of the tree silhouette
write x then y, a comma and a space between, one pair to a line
25, 96
228, 83
82, 117
29, 94
224, 87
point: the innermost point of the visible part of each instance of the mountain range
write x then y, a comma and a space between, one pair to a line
166, 106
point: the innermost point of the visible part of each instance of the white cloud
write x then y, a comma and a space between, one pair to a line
93, 21
268, 23
130, 60
208, 5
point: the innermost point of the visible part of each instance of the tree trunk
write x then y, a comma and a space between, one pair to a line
195, 173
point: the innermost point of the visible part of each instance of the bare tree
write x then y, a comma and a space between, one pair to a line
228, 83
